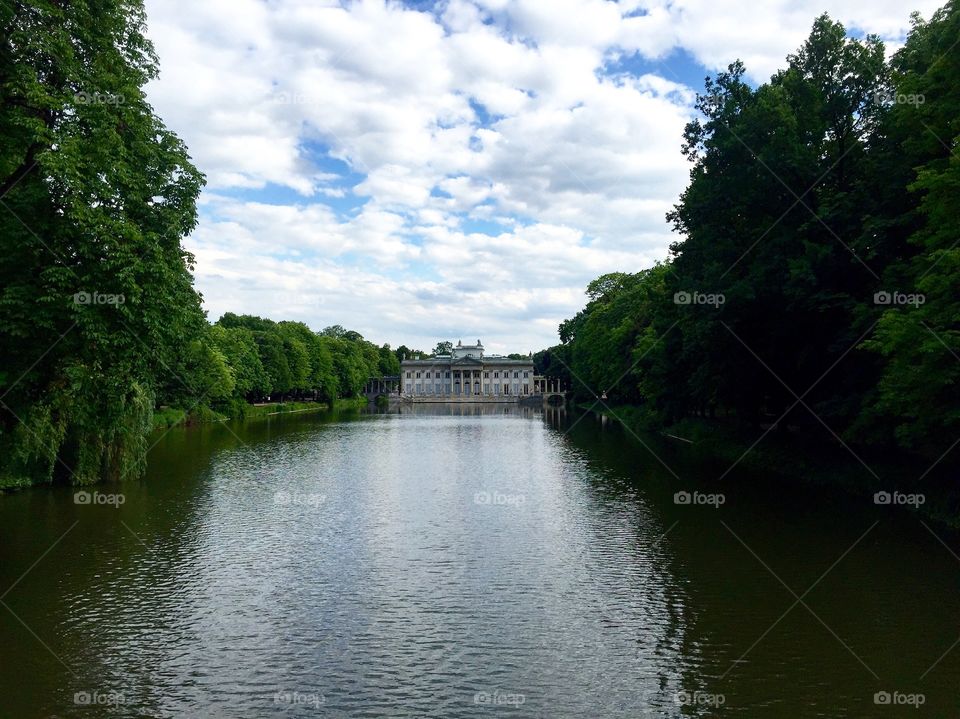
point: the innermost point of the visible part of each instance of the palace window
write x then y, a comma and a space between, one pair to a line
418, 375
526, 374
516, 374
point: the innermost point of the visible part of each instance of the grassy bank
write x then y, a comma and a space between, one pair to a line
788, 456
167, 417
172, 417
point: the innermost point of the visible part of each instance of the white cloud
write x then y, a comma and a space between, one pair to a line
716, 32
494, 111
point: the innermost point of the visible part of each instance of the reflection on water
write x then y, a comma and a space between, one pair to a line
468, 409
456, 561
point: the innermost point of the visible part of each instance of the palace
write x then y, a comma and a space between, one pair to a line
466, 374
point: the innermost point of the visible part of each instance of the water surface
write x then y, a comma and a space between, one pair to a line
439, 562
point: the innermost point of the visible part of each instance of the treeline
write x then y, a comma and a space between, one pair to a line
243, 359
817, 281
99, 320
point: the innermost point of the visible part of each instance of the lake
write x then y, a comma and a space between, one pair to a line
445, 561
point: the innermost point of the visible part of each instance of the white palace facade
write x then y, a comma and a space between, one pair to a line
466, 374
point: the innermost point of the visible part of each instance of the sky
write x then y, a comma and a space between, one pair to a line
429, 171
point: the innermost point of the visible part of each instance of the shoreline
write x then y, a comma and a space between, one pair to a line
791, 458
177, 417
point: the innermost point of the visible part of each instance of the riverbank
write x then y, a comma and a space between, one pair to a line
740, 453
174, 417
170, 417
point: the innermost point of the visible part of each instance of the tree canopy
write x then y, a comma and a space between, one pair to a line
816, 271
100, 322
95, 196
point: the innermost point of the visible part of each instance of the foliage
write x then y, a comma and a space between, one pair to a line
99, 320
443, 348
96, 296
288, 359
813, 200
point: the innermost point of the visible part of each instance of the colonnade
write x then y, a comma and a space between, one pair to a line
547, 385
389, 384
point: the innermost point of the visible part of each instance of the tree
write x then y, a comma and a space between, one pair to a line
918, 395
796, 293
811, 195
239, 348
272, 353
335, 331
388, 365
98, 195
443, 348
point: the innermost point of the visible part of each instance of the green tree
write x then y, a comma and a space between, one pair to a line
388, 364
95, 287
918, 396
239, 348
773, 220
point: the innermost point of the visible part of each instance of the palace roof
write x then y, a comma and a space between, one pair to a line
471, 361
